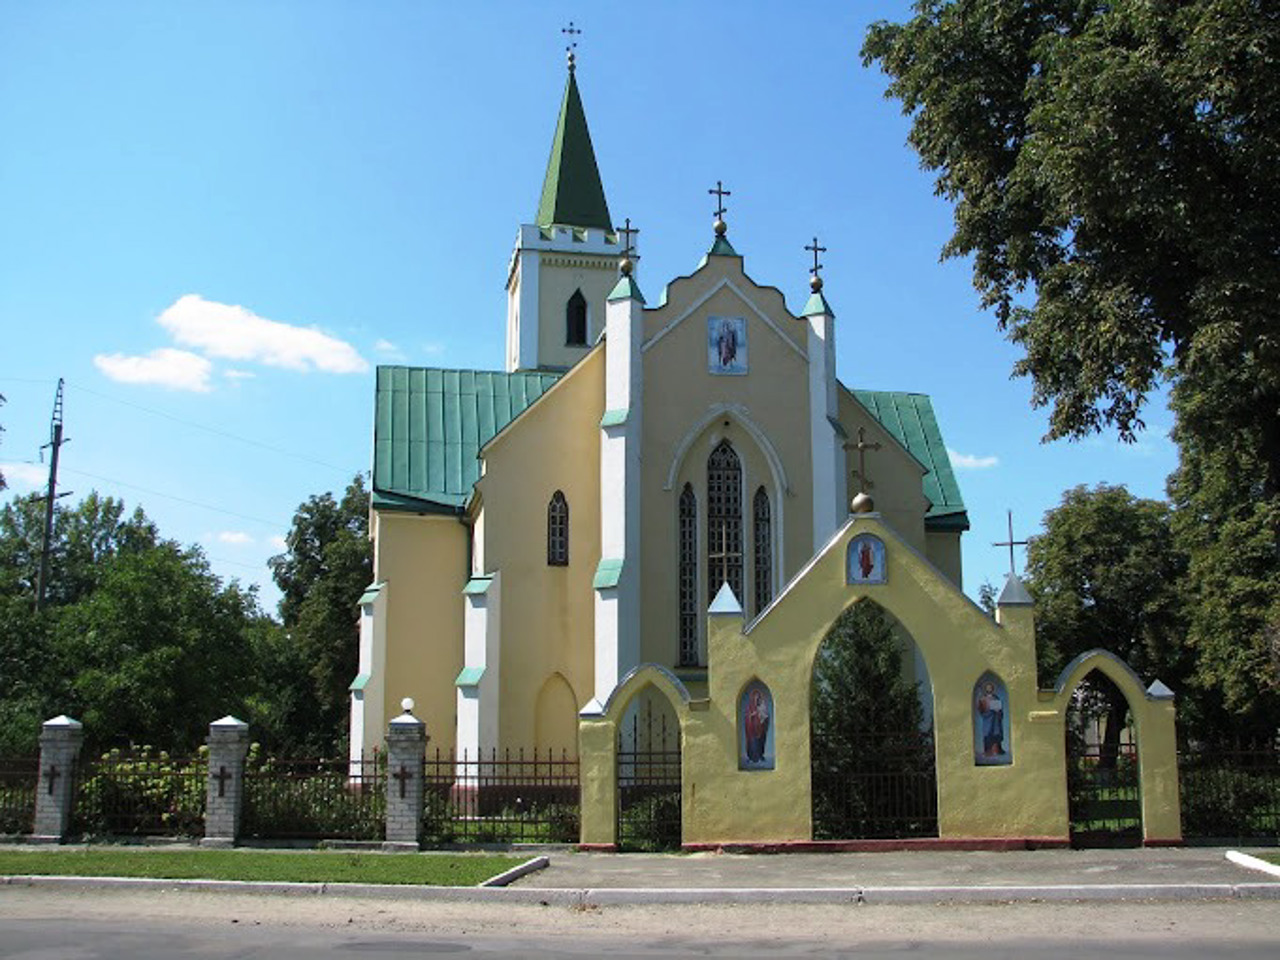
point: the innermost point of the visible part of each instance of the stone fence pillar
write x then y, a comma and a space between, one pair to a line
60, 742
406, 749
228, 744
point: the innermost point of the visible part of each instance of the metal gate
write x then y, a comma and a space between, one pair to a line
874, 787
648, 782
1104, 798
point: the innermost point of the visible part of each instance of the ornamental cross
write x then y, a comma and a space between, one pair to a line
725, 554
222, 776
570, 32
816, 250
402, 776
627, 232
862, 447
1011, 543
720, 193
52, 775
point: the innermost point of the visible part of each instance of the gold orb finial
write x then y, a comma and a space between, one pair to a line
626, 266
720, 227
862, 503
815, 283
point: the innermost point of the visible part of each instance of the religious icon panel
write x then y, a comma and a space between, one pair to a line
991, 747
755, 728
865, 562
727, 345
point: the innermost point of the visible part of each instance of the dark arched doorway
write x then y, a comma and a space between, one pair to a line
1104, 799
872, 763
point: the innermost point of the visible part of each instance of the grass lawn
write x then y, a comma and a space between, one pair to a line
457, 870
1269, 857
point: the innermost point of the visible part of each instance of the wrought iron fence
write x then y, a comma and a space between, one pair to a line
1231, 795
139, 793
874, 787
18, 779
512, 797
1104, 801
649, 806
315, 799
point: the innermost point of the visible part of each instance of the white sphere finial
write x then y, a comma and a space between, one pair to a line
407, 704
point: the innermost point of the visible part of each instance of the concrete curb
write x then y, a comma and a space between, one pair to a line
623, 896
1253, 863
515, 873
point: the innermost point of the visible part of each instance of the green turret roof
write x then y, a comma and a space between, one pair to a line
572, 194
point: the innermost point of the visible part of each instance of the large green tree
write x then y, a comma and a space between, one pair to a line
327, 565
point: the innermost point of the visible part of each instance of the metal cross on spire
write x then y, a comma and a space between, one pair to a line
720, 193
1011, 543
816, 250
862, 447
570, 32
628, 232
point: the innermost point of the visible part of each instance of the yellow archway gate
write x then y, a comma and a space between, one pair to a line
725, 800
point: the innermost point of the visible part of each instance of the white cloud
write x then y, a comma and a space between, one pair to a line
389, 351
234, 333
237, 537
166, 367
967, 461
279, 543
433, 349
31, 475
239, 374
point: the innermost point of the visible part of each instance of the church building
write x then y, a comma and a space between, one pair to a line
542, 529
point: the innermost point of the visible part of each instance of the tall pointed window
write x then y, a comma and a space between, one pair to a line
558, 531
688, 577
763, 530
575, 320
724, 520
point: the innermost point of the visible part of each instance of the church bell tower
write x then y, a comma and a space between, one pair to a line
566, 261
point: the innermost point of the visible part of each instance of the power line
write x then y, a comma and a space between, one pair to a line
276, 524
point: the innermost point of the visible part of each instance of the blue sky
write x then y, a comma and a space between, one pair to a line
219, 217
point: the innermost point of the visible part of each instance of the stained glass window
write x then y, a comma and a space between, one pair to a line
763, 531
688, 574
558, 531
724, 520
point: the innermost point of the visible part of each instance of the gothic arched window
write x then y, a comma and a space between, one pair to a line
575, 320
687, 566
558, 531
763, 530
724, 520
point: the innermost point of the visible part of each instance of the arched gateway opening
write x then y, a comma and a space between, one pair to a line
873, 771
648, 758
1103, 793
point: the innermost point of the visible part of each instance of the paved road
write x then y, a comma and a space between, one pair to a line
136, 925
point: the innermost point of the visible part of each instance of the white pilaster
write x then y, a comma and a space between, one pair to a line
617, 583
825, 444
368, 688
478, 684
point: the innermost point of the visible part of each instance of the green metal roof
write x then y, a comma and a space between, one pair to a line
572, 193
909, 418
430, 424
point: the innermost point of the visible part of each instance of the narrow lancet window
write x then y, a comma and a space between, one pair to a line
688, 577
762, 521
558, 531
575, 320
724, 520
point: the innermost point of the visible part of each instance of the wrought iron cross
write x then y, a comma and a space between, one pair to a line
816, 250
720, 193
570, 32
627, 232
402, 776
725, 553
222, 776
52, 775
1011, 543
862, 447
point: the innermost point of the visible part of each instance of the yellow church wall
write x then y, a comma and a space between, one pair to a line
685, 411
547, 611
942, 548
558, 277
423, 560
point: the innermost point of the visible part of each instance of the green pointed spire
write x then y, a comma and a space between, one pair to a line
572, 193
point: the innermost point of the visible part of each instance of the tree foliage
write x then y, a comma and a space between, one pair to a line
1118, 158
327, 566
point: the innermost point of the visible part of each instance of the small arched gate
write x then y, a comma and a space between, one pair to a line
649, 775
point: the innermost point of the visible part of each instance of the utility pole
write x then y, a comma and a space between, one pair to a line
55, 441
